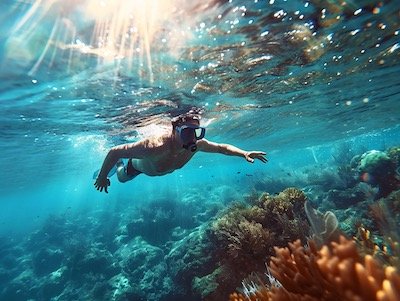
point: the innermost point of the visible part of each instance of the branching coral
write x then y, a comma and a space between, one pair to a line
335, 272
287, 202
244, 237
251, 232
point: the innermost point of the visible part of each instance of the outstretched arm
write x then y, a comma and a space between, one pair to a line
230, 150
131, 150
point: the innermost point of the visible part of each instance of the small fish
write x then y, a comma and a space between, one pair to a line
367, 178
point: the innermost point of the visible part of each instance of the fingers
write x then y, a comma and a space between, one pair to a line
256, 155
261, 156
100, 187
250, 159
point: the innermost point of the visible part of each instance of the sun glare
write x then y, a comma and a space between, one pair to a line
127, 29
114, 31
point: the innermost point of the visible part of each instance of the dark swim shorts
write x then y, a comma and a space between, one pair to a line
130, 170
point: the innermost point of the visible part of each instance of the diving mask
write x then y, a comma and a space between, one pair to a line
189, 134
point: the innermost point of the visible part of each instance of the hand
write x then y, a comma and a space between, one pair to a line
101, 184
250, 156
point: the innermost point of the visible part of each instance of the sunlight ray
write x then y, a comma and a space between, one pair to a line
46, 48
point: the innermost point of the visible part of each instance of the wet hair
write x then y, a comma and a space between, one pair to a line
187, 117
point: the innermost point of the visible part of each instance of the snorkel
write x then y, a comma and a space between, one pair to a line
191, 146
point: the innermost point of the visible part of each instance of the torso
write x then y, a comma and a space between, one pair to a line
163, 159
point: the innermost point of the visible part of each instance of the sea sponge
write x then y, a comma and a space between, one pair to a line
373, 161
324, 225
377, 168
335, 272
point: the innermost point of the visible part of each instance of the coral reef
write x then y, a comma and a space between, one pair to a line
353, 189
324, 226
194, 248
334, 272
377, 168
245, 237
341, 269
385, 215
153, 251
102, 256
157, 220
142, 269
394, 154
373, 161
188, 259
346, 197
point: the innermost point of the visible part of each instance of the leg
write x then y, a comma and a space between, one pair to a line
126, 173
121, 172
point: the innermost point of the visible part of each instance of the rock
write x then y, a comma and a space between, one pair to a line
47, 260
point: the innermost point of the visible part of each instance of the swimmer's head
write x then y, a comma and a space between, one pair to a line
187, 127
187, 118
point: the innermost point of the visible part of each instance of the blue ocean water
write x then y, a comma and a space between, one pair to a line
310, 83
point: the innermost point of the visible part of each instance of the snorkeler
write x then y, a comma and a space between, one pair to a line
160, 155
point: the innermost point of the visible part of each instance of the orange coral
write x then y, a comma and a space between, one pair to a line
335, 272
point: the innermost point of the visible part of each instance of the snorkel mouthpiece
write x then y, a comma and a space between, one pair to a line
191, 146
189, 134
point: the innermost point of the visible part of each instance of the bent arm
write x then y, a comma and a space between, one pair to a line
131, 150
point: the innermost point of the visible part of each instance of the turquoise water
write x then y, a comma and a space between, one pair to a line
298, 80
